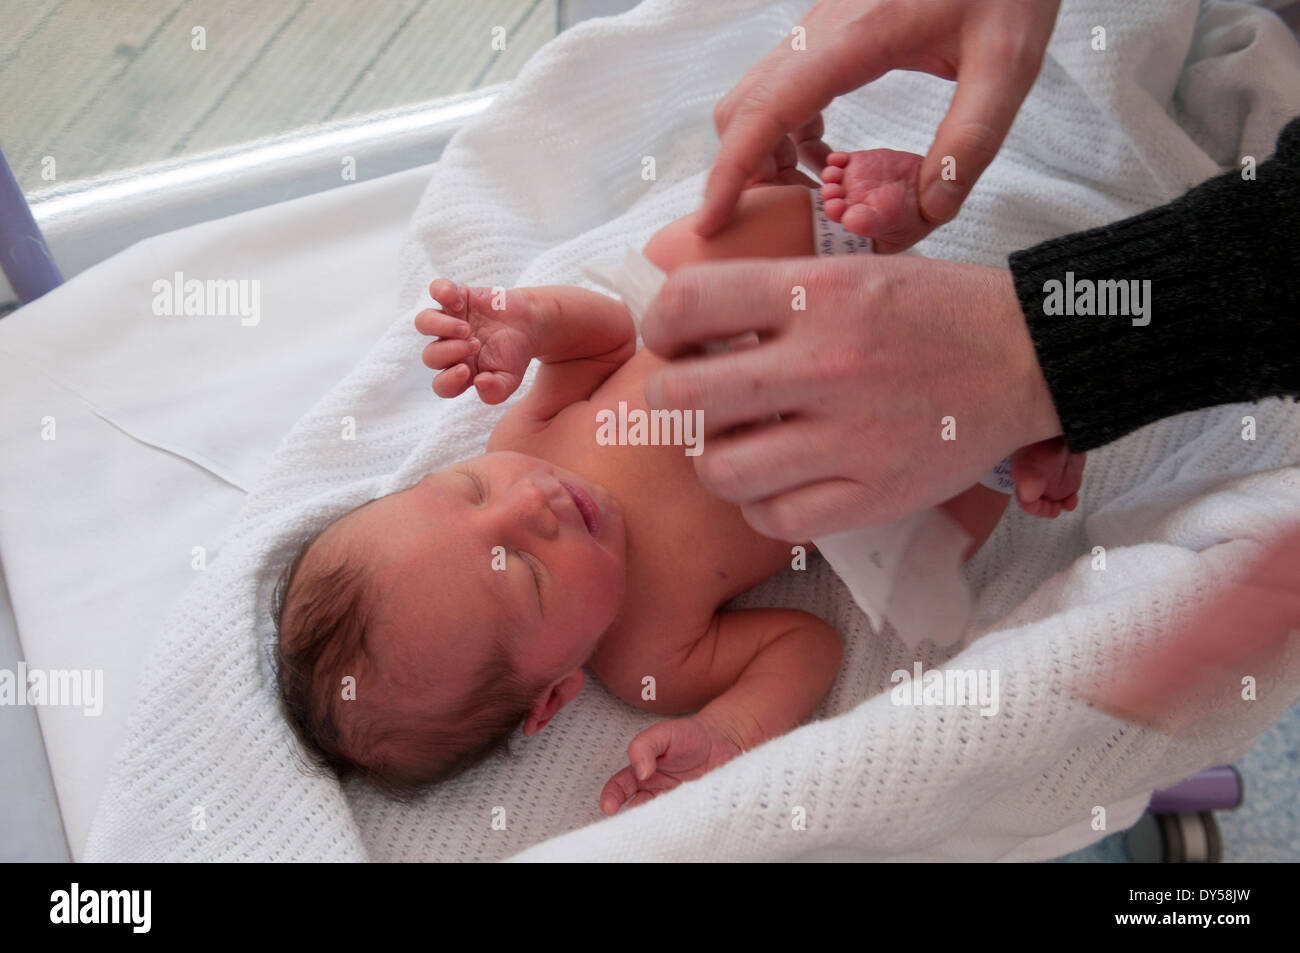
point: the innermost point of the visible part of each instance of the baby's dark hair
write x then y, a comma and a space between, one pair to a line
330, 614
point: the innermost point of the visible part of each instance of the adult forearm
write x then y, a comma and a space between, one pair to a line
1208, 294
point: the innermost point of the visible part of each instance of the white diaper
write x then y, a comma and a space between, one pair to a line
908, 572
636, 279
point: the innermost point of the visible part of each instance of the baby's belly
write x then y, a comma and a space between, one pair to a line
646, 460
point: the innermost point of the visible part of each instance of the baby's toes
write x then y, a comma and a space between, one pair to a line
879, 191
1071, 478
1029, 483
863, 218
833, 207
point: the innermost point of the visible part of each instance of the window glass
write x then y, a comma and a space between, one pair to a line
89, 87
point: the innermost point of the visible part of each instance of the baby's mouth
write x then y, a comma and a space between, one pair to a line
587, 507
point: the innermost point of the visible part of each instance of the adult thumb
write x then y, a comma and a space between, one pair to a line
983, 108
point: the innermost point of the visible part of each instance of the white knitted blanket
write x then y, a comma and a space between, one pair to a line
551, 177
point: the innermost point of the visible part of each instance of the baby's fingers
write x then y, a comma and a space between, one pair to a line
617, 790
452, 382
447, 352
448, 294
624, 788
646, 748
437, 323
495, 386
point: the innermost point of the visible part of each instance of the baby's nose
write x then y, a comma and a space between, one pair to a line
533, 505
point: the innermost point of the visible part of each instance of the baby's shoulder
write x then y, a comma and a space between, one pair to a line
643, 658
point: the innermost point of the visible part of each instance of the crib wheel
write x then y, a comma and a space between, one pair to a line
1187, 838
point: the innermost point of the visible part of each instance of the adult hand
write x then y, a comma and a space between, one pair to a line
864, 380
1196, 669
992, 48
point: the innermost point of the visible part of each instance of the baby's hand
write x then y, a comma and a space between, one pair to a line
487, 346
874, 194
663, 756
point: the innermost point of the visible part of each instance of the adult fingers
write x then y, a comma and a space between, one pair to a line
817, 509
744, 156
811, 148
845, 45
730, 390
715, 301
990, 89
1240, 632
753, 464
747, 387
783, 95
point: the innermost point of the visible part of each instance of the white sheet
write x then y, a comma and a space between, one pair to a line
97, 527
1097, 140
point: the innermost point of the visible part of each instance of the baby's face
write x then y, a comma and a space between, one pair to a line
502, 543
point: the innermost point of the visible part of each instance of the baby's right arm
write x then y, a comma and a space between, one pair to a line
754, 675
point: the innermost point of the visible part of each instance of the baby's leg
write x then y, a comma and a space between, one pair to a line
977, 511
772, 221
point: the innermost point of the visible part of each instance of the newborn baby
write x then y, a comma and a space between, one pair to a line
418, 630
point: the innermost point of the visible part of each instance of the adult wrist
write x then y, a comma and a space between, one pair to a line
1188, 305
1036, 414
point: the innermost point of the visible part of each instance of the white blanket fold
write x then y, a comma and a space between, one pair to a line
550, 178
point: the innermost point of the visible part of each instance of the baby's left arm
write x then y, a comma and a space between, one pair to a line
487, 337
754, 675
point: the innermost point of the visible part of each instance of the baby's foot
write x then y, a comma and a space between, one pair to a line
1047, 477
874, 194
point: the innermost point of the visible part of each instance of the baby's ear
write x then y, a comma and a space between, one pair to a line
555, 698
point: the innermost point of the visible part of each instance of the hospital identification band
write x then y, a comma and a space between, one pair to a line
1000, 478
832, 238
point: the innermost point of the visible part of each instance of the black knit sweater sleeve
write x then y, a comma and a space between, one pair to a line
1222, 317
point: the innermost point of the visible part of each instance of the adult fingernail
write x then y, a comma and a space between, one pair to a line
940, 200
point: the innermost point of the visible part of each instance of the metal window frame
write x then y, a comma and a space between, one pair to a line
87, 221
61, 231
